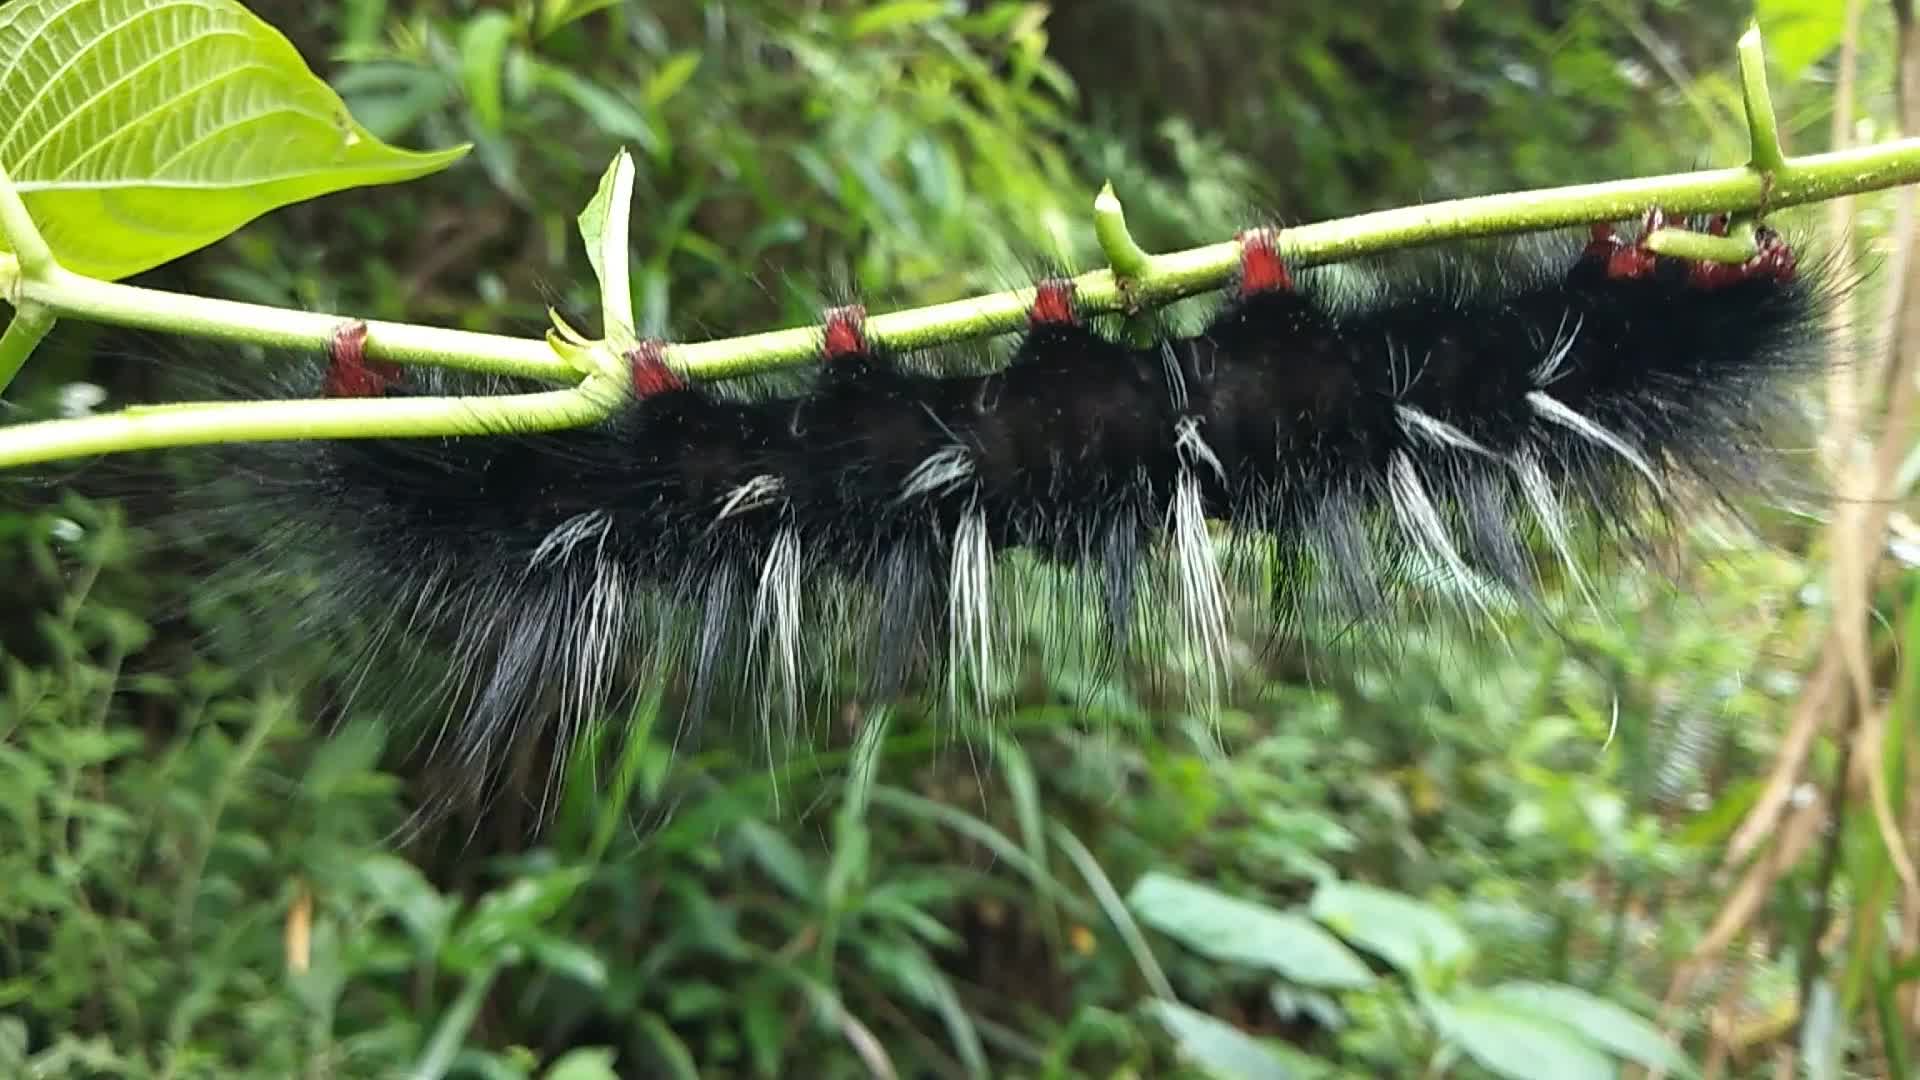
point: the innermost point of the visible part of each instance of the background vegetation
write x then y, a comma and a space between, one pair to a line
1691, 803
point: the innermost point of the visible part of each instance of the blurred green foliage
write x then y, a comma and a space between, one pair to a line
204, 876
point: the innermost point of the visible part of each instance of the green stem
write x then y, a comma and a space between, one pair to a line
1763, 129
1687, 244
1128, 261
82, 297
452, 1031
30, 324
1125, 256
1116, 910
1169, 277
22, 236
268, 714
1186, 273
156, 426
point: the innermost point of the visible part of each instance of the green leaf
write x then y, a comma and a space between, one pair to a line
1599, 1021
1236, 931
671, 77
1823, 1035
978, 831
1116, 911
848, 866
777, 856
390, 98
1217, 1047
1515, 1043
764, 1026
914, 973
1886, 1007
610, 112
587, 1063
512, 917
675, 1060
898, 13
1024, 788
483, 62
1799, 32
1414, 937
575, 961
13, 1043
361, 22
555, 14
603, 225
140, 130
399, 887
887, 904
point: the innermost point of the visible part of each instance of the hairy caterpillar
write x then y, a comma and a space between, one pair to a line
1450, 423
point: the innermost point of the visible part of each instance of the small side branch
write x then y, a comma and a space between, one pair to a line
1128, 260
1739, 245
1763, 129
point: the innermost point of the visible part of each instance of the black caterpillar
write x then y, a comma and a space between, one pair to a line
1454, 423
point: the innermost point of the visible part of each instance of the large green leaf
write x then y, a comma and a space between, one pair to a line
1517, 1044
140, 130
1414, 937
1216, 1047
1236, 931
1799, 32
1599, 1021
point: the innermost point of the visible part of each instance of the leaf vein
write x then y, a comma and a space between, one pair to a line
53, 78
158, 109
161, 111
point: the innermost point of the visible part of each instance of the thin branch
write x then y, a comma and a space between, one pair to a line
1135, 281
1170, 277
155, 426
81, 297
1185, 273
